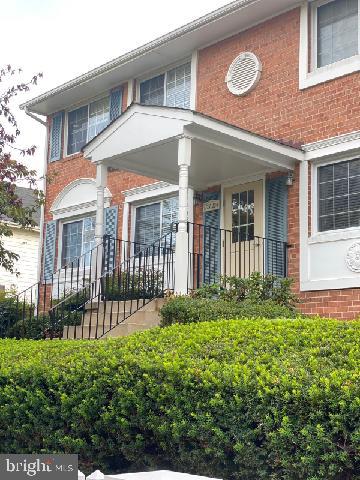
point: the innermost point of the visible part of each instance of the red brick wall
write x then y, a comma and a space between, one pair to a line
73, 167
276, 108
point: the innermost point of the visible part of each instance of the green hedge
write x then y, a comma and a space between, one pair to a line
193, 310
248, 399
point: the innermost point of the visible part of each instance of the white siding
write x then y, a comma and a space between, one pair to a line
26, 244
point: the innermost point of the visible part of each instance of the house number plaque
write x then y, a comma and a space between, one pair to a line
211, 205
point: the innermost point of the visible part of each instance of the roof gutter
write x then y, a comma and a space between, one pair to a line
33, 116
138, 52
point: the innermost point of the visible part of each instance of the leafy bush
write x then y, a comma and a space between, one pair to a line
11, 312
143, 283
191, 310
255, 288
247, 399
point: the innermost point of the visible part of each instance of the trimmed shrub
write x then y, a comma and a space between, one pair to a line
11, 312
191, 310
248, 399
255, 288
143, 283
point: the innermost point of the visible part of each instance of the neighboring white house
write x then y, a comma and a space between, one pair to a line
24, 242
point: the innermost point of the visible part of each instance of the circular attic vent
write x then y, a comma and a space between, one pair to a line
244, 73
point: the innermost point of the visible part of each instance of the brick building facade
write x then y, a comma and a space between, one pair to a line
297, 119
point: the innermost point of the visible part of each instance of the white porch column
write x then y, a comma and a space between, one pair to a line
101, 181
182, 236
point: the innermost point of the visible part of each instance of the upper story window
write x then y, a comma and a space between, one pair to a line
336, 31
339, 195
86, 122
170, 89
329, 40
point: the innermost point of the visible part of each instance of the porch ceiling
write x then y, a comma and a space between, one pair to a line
144, 140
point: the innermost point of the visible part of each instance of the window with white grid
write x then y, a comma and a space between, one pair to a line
336, 24
339, 195
86, 122
170, 89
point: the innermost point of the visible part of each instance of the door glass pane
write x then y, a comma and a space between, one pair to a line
71, 242
337, 25
99, 117
243, 216
235, 217
152, 91
77, 129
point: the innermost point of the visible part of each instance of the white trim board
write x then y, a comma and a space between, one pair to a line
314, 76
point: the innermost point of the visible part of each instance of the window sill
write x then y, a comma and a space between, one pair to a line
330, 72
335, 235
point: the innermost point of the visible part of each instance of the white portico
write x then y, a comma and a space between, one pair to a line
185, 148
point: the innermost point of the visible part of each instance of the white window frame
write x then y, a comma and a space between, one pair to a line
144, 204
327, 235
60, 238
328, 72
72, 109
155, 73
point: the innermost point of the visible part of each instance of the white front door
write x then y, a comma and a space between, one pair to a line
243, 248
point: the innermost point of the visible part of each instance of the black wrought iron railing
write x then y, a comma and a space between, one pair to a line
31, 313
98, 291
124, 287
216, 252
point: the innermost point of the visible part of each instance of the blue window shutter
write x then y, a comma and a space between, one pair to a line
111, 225
49, 250
211, 248
115, 103
56, 136
276, 215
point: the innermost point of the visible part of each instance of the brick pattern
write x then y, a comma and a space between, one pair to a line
276, 108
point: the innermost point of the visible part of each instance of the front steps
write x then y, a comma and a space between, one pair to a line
115, 319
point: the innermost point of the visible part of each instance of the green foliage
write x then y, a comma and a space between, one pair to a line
9, 311
256, 288
248, 399
192, 310
144, 283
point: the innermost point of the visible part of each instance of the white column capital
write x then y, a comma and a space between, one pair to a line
184, 151
101, 175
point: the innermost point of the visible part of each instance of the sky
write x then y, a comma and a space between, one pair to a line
65, 38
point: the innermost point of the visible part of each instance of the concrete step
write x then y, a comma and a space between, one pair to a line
103, 331
97, 323
126, 306
140, 317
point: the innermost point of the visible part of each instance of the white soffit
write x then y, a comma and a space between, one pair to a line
180, 43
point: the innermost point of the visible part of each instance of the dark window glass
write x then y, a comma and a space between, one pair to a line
77, 129
243, 216
337, 31
152, 91
339, 195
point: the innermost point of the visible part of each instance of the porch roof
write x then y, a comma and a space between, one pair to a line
144, 140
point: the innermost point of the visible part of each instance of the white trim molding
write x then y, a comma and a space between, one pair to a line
323, 255
333, 146
309, 77
76, 200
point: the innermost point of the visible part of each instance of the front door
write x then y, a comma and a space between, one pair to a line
243, 249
